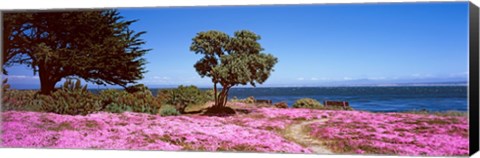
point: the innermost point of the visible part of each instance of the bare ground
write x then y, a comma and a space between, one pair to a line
296, 132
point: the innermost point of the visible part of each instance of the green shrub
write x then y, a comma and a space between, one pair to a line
248, 100
169, 110
439, 113
71, 99
209, 95
234, 99
117, 108
111, 96
20, 100
184, 96
139, 100
307, 103
137, 88
74, 99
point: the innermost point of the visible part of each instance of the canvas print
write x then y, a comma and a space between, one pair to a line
375, 79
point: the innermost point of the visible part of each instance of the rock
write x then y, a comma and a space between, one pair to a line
281, 105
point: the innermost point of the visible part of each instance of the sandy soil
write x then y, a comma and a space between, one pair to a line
297, 133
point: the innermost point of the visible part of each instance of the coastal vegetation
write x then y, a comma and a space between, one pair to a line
74, 99
307, 103
315, 104
97, 46
63, 120
184, 96
231, 61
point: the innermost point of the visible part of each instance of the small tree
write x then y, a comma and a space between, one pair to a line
95, 45
231, 61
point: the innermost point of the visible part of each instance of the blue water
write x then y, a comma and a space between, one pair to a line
377, 99
431, 98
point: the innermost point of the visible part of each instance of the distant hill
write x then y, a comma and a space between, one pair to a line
362, 82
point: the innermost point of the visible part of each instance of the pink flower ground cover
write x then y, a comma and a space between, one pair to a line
276, 119
258, 130
138, 131
376, 133
394, 133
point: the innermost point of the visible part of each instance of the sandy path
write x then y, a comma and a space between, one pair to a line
296, 133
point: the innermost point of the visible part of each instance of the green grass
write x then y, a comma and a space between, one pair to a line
443, 113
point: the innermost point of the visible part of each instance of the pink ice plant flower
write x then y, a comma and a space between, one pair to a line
138, 131
396, 133
257, 131
379, 133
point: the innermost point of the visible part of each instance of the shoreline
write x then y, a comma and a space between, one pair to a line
399, 99
292, 86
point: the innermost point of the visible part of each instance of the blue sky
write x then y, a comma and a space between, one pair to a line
315, 44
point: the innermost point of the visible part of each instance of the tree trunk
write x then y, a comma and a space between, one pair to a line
225, 99
222, 98
47, 83
215, 93
47, 86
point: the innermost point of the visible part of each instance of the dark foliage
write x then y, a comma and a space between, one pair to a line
231, 61
95, 45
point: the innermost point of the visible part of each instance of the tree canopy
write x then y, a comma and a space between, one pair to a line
95, 45
231, 61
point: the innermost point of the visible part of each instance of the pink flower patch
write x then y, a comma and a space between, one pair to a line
139, 132
396, 133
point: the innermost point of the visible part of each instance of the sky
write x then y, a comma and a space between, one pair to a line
315, 44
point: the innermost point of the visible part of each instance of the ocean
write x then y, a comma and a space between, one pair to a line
376, 99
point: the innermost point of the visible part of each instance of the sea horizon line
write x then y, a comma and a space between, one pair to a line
94, 87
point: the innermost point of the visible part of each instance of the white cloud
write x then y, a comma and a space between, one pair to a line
157, 80
163, 80
347, 78
422, 76
415, 75
377, 78
325, 78
17, 76
300, 78
460, 74
160, 78
20, 77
